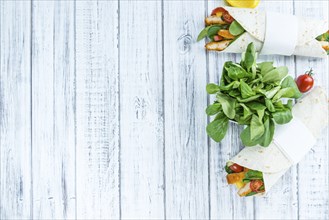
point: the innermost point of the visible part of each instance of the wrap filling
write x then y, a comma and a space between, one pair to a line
222, 29
249, 182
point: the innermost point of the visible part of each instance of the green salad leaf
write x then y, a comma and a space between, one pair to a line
289, 82
252, 95
253, 175
203, 33
269, 105
270, 93
217, 128
246, 138
248, 61
235, 71
251, 194
213, 30
256, 128
246, 90
282, 117
235, 28
323, 37
268, 133
213, 109
274, 75
228, 105
228, 170
265, 67
212, 88
210, 31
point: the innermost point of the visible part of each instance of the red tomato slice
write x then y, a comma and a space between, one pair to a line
218, 38
236, 168
227, 17
305, 82
255, 185
216, 10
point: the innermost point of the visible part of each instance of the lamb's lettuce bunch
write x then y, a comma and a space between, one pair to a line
251, 95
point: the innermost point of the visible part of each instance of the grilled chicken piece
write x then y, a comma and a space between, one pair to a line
226, 34
235, 177
325, 45
214, 20
245, 190
219, 46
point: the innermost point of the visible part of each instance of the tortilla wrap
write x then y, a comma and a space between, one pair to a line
254, 22
312, 111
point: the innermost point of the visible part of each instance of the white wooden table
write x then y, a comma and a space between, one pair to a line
102, 115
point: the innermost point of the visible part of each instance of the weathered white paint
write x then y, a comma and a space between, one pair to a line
97, 120
15, 110
141, 110
185, 77
53, 128
117, 128
313, 201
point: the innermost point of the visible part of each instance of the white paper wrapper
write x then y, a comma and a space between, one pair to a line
274, 33
289, 146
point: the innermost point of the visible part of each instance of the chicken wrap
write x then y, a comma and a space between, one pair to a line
232, 29
256, 169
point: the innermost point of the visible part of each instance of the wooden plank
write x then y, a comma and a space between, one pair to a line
141, 110
15, 110
185, 77
53, 110
225, 203
97, 110
313, 169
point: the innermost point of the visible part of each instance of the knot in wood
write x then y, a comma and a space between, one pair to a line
184, 43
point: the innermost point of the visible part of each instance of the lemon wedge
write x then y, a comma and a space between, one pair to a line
243, 3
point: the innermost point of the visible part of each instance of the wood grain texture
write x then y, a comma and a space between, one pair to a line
185, 120
141, 110
97, 110
313, 169
102, 115
15, 110
53, 106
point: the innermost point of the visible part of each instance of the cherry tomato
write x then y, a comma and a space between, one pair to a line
255, 185
227, 17
236, 168
305, 82
216, 10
